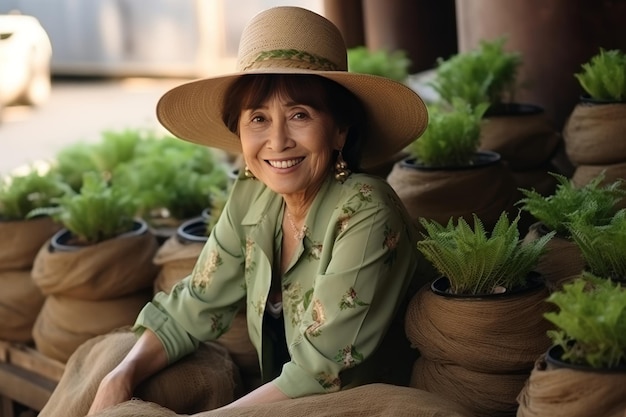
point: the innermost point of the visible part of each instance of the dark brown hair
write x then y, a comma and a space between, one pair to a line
251, 91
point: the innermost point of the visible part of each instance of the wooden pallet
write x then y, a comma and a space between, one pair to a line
26, 377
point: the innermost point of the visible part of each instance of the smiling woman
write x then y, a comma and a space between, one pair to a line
321, 257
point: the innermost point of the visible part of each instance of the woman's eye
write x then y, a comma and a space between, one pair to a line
257, 119
300, 115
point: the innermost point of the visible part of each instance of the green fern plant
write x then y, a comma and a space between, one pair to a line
603, 247
476, 262
20, 194
594, 202
451, 138
99, 212
603, 77
485, 74
591, 321
390, 64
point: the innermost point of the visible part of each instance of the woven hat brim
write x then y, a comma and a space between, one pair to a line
396, 114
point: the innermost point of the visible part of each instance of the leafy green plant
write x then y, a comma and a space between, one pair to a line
390, 64
603, 77
485, 74
173, 180
594, 202
99, 212
603, 247
451, 138
20, 194
72, 161
591, 321
476, 262
115, 148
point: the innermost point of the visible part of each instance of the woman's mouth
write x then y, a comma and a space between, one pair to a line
287, 163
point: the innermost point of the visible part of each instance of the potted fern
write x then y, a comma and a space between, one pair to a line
482, 320
98, 265
446, 161
596, 203
588, 353
20, 299
520, 132
593, 132
603, 247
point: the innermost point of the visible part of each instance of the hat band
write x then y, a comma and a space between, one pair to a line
291, 58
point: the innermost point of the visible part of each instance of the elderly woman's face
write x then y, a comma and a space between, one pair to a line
289, 146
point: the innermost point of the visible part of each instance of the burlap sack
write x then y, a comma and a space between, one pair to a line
175, 260
524, 140
21, 240
594, 134
109, 269
477, 351
562, 260
204, 380
484, 394
64, 323
20, 303
375, 400
572, 393
499, 335
441, 194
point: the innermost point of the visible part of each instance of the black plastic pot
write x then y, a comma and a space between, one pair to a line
193, 230
554, 360
479, 160
441, 286
61, 240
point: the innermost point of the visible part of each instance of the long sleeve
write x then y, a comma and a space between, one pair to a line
202, 305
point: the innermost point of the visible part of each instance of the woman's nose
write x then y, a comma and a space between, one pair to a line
279, 139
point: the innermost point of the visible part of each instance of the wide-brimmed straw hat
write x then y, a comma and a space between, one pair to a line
293, 40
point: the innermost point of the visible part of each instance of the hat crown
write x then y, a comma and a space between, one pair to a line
291, 38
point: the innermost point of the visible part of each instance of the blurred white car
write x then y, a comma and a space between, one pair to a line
25, 56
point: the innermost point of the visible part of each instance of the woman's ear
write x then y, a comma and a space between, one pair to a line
341, 136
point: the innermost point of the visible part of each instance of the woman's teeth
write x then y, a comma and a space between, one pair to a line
285, 164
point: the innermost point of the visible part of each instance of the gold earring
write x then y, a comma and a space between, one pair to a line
248, 173
341, 169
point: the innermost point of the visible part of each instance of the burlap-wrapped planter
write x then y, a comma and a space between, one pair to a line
562, 260
374, 400
567, 392
492, 338
20, 298
65, 323
487, 394
440, 194
109, 269
21, 241
204, 380
594, 134
522, 134
20, 304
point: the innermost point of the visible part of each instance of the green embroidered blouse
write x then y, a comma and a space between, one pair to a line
340, 292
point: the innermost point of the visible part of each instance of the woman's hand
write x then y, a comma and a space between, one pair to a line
114, 389
146, 358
